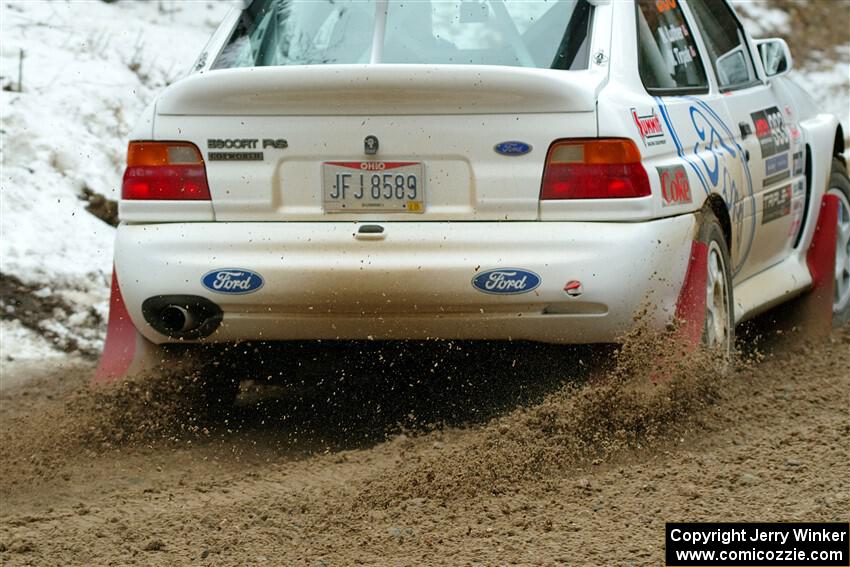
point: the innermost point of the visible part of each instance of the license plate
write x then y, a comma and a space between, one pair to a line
377, 186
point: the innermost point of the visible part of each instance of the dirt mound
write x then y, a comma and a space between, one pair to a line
653, 387
35, 445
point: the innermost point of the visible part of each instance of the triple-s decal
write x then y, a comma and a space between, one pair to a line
776, 204
774, 141
650, 129
675, 189
234, 281
506, 281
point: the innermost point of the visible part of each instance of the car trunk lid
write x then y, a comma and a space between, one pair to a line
267, 133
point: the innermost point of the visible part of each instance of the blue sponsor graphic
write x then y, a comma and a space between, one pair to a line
233, 281
710, 157
512, 148
775, 164
506, 281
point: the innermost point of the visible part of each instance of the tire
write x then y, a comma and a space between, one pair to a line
839, 186
719, 327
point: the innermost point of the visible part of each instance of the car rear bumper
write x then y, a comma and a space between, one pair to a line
321, 282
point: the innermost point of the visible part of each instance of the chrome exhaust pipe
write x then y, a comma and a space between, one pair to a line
177, 319
182, 316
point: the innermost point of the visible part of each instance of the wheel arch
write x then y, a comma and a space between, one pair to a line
717, 205
839, 147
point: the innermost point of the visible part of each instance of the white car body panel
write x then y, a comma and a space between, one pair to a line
380, 90
482, 209
323, 282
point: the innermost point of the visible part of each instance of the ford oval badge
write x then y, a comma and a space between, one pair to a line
233, 281
506, 281
512, 148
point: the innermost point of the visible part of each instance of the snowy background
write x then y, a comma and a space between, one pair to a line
89, 68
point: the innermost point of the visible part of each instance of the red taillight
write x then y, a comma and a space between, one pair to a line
165, 171
594, 169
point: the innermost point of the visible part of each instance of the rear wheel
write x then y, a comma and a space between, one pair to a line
839, 186
719, 328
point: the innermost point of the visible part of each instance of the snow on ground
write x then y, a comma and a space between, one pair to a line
829, 83
826, 78
30, 345
89, 69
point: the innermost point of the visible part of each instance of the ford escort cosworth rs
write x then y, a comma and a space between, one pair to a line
477, 169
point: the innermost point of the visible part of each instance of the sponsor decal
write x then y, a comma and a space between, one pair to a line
776, 169
512, 148
650, 129
233, 281
573, 288
506, 281
771, 131
671, 33
775, 164
665, 5
798, 163
675, 189
776, 204
795, 132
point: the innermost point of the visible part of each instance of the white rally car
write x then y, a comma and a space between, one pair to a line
476, 169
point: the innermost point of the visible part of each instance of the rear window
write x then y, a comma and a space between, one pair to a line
543, 34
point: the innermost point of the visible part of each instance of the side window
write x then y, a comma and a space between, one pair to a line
667, 53
725, 41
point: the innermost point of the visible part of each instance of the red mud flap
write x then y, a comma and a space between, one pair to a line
125, 350
690, 307
816, 307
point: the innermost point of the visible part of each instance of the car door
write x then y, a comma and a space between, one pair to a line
766, 131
